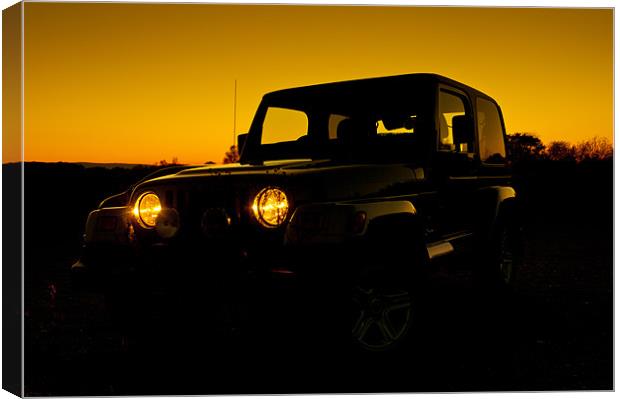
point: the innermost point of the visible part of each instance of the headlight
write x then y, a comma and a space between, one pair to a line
147, 209
270, 207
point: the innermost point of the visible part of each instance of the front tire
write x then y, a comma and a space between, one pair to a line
386, 289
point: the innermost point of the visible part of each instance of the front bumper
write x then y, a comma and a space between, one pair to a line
167, 267
123, 259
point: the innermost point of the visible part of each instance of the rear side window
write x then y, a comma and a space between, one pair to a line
490, 132
451, 105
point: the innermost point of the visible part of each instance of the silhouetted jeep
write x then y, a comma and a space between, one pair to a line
356, 188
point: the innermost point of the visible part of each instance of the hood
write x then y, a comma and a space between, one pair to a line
247, 168
305, 179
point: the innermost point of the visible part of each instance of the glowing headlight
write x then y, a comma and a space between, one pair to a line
270, 207
147, 209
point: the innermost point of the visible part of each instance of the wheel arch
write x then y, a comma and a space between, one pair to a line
388, 226
399, 237
495, 203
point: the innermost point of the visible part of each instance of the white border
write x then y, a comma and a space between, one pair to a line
478, 3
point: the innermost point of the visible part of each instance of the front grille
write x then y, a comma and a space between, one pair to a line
191, 204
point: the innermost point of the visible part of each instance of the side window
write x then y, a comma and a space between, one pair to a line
393, 124
490, 132
283, 124
451, 105
396, 124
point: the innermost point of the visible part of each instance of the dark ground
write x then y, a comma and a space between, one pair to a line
554, 333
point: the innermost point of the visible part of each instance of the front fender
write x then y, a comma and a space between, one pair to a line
108, 226
337, 222
106, 251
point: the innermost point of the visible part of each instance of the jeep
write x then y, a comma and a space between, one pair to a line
356, 188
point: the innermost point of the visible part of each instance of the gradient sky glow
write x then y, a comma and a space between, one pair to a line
138, 83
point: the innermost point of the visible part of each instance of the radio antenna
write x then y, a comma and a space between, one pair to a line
235, 117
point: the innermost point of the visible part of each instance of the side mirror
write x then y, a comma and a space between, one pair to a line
463, 130
241, 139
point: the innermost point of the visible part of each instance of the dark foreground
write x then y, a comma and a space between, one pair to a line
554, 333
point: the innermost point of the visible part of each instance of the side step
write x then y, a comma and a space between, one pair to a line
444, 247
440, 248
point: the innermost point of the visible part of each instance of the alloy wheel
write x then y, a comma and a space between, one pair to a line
506, 258
381, 317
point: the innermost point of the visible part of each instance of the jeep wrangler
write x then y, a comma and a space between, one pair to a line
356, 188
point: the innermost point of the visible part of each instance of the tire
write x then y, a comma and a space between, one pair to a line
501, 257
508, 256
387, 290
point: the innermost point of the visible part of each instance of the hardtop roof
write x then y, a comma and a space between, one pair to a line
378, 84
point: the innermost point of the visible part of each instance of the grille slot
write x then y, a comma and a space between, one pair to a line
182, 200
169, 199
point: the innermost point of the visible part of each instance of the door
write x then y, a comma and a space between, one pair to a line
455, 166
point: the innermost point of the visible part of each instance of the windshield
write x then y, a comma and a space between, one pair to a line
332, 128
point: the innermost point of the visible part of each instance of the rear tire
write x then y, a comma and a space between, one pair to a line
501, 258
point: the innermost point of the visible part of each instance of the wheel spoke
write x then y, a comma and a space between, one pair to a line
506, 271
397, 301
506, 258
360, 330
358, 322
386, 330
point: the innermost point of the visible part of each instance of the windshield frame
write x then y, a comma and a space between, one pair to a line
319, 145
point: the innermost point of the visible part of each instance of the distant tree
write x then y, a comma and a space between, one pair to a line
163, 162
209, 163
560, 151
597, 148
232, 155
524, 146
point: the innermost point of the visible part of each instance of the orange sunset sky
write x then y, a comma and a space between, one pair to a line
139, 83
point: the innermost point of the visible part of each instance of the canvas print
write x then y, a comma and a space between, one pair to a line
278, 199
